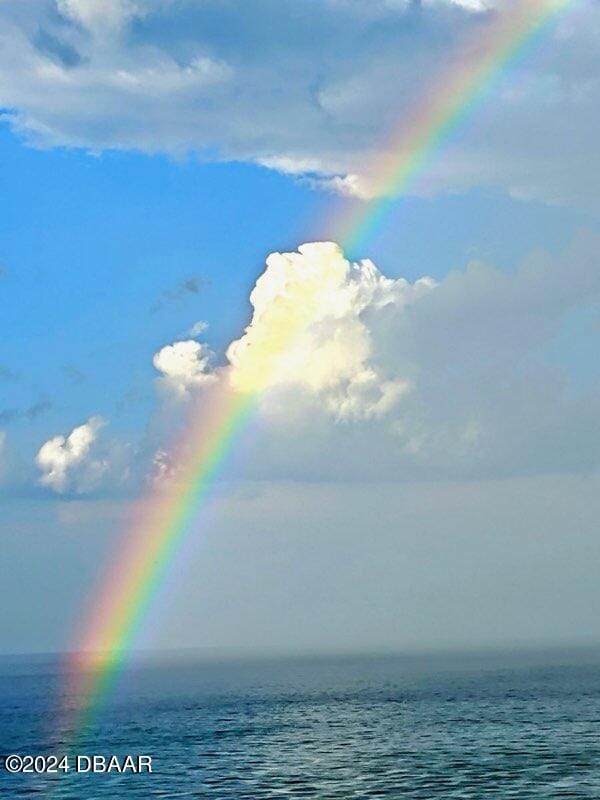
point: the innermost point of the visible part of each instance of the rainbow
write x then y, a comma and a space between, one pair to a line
444, 109
169, 515
158, 527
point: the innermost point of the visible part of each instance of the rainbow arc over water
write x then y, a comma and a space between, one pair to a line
167, 516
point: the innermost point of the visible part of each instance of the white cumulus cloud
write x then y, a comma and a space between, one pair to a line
310, 331
66, 462
184, 366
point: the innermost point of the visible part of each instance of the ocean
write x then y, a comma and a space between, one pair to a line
444, 726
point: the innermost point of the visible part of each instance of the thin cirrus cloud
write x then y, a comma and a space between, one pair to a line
310, 89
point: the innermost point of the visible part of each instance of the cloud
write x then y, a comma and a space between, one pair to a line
198, 328
100, 15
37, 409
465, 558
163, 469
470, 5
347, 185
184, 366
66, 462
174, 296
361, 376
191, 285
32, 412
309, 331
310, 89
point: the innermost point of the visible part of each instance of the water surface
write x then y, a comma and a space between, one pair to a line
427, 727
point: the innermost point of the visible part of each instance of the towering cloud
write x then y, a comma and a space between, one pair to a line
310, 331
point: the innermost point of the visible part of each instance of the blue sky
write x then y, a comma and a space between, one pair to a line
153, 155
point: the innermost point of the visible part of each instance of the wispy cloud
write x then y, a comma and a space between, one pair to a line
31, 412
190, 286
197, 328
37, 409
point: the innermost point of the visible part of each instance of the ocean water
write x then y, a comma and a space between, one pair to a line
393, 727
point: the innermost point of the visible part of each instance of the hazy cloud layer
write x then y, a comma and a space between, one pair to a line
373, 567
307, 88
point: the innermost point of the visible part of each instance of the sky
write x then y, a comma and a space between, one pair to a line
423, 470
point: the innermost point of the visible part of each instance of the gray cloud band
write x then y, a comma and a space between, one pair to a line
310, 89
